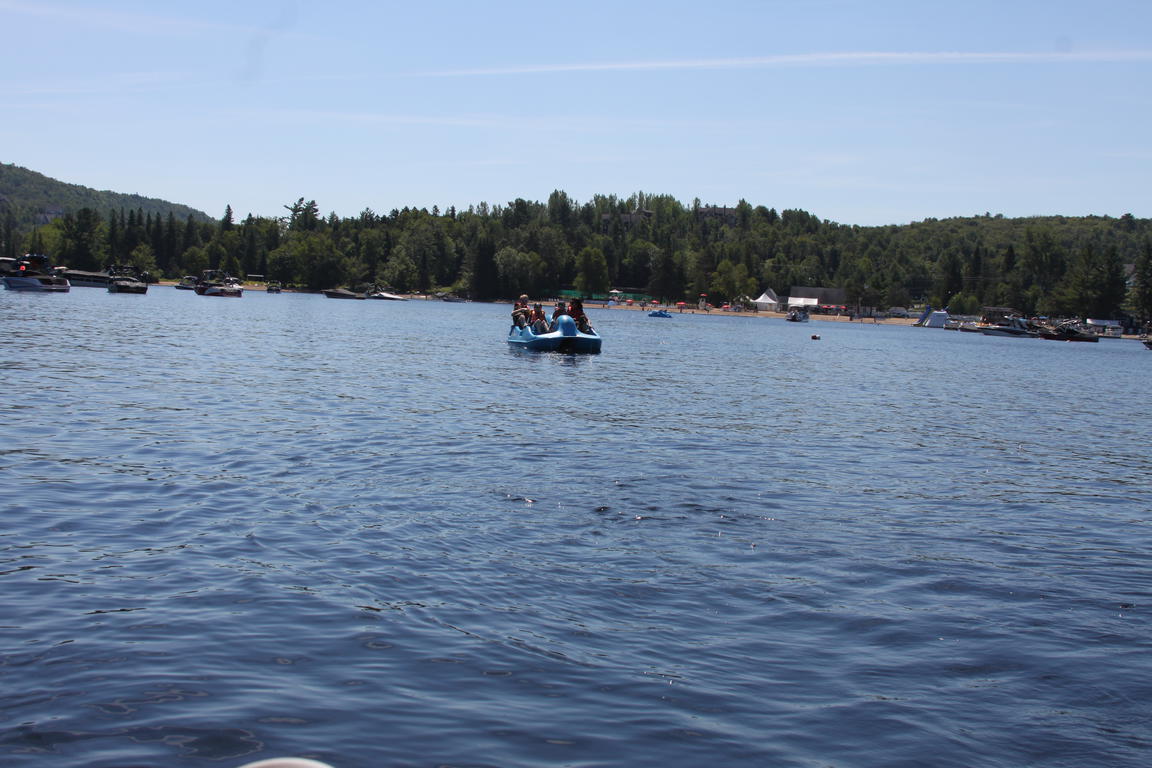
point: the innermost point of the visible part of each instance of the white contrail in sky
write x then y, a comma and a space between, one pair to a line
851, 58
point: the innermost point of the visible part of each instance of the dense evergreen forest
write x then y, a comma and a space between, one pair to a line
646, 244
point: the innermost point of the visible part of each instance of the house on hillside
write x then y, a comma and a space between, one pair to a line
627, 220
47, 215
725, 215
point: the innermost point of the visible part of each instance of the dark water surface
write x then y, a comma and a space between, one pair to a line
369, 533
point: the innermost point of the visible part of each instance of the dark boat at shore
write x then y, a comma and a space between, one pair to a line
1070, 330
80, 278
342, 293
127, 280
216, 282
33, 274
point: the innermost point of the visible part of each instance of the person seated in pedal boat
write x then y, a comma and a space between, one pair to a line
520, 311
561, 309
538, 320
576, 310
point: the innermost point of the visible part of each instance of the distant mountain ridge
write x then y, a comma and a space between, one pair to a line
35, 199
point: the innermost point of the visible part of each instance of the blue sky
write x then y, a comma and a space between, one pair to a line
859, 112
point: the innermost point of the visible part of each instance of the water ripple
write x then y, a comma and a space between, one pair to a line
287, 525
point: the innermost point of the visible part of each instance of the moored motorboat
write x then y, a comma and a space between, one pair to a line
566, 338
797, 316
126, 284
215, 282
187, 283
126, 280
1003, 321
384, 296
342, 293
1147, 343
79, 278
1070, 330
1015, 328
33, 274
272, 287
659, 313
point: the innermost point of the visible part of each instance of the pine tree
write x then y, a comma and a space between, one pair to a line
1140, 296
226, 221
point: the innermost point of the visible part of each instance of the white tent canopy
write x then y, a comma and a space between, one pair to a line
799, 302
767, 300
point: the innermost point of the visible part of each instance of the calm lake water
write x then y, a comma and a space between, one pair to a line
370, 533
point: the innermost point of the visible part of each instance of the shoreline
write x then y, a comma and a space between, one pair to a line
763, 314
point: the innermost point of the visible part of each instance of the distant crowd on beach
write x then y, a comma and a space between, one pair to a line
534, 316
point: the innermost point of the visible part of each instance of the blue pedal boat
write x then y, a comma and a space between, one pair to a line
659, 313
566, 338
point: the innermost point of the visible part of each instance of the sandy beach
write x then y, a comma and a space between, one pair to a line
597, 307
841, 318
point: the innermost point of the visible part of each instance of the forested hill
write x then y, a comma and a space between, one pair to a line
33, 199
656, 245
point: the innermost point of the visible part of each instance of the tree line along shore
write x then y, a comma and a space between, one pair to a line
654, 245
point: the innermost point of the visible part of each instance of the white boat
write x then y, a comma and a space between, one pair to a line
127, 284
32, 273
215, 282
1105, 329
1015, 329
384, 295
797, 316
1003, 321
